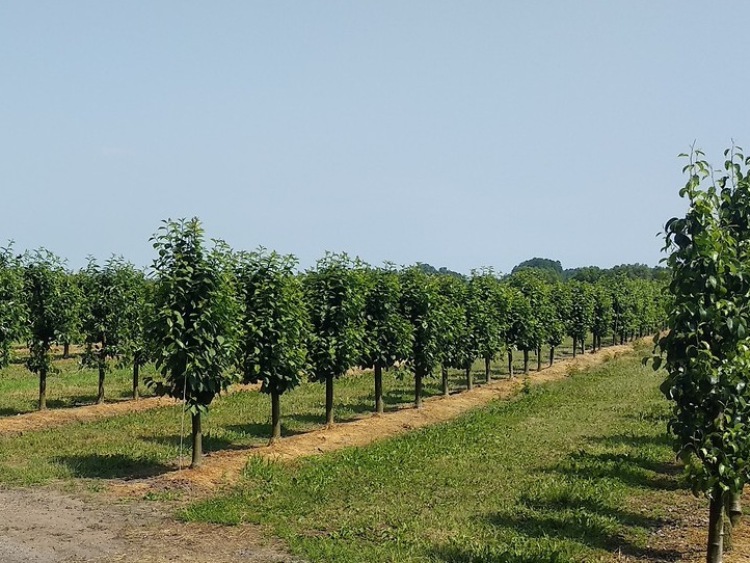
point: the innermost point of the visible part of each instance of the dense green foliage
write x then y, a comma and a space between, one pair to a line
707, 350
195, 319
12, 304
274, 326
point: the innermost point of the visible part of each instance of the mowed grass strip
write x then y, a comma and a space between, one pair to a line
572, 471
73, 385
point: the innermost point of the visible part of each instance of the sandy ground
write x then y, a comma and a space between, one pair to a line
45, 526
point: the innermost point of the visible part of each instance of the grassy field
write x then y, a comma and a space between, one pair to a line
148, 443
571, 471
73, 385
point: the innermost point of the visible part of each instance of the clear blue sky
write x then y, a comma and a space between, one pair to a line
462, 134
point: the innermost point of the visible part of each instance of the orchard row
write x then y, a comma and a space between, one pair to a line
209, 316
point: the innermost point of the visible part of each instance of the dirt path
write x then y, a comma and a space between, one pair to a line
224, 468
44, 526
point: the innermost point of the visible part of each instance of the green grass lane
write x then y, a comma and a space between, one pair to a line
560, 474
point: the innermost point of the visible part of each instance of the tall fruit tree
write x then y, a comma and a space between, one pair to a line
335, 301
388, 334
274, 327
420, 302
707, 350
44, 280
194, 325
12, 305
112, 301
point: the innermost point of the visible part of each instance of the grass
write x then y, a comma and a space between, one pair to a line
74, 386
570, 471
71, 386
148, 442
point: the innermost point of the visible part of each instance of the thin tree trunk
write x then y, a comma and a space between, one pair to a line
539, 359
66, 350
733, 506
487, 373
418, 389
716, 528
136, 373
575, 346
622, 338
102, 373
329, 400
445, 381
469, 379
42, 389
378, 389
197, 441
551, 355
275, 416
614, 337
583, 344
526, 362
510, 363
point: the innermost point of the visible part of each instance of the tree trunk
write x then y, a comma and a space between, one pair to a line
622, 338
469, 379
418, 389
136, 374
539, 359
378, 389
329, 400
445, 381
715, 527
614, 337
733, 507
487, 374
66, 350
583, 344
551, 355
197, 441
510, 363
526, 362
42, 389
275, 416
102, 373
575, 346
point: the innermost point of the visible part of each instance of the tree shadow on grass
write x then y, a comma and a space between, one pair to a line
634, 470
507, 554
637, 442
210, 443
592, 529
112, 466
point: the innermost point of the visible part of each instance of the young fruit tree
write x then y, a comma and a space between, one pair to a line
335, 301
194, 325
112, 305
487, 313
388, 334
420, 305
274, 326
44, 288
454, 338
706, 352
12, 305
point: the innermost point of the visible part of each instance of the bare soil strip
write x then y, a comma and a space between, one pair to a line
45, 526
223, 468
